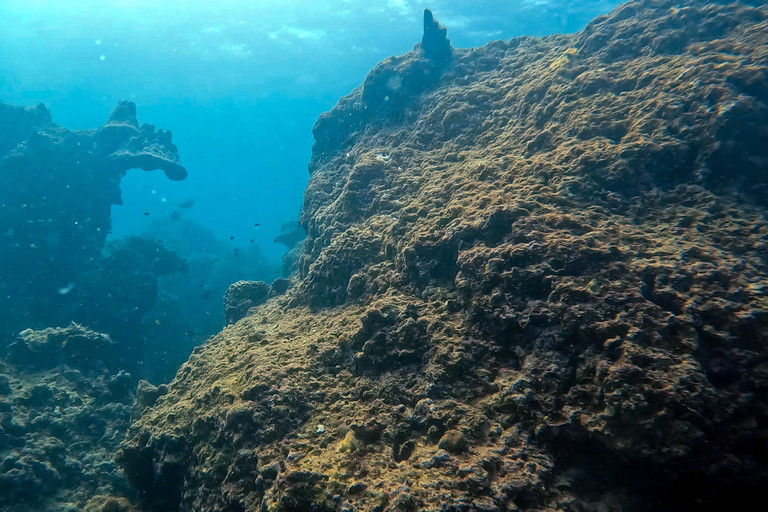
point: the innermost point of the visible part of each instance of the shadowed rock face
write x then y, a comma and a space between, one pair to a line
389, 89
64, 407
58, 188
243, 295
536, 283
435, 42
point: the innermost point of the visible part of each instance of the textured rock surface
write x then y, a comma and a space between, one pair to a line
534, 279
242, 296
58, 188
63, 412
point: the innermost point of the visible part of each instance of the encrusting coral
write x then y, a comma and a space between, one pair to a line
534, 279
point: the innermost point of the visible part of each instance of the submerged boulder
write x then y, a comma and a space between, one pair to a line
242, 296
537, 282
75, 346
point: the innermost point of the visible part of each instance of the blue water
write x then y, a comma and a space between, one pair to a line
240, 84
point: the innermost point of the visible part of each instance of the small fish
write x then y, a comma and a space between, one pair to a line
251, 240
146, 213
206, 295
187, 204
231, 238
257, 224
176, 215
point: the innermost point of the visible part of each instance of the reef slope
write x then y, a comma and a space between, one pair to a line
534, 279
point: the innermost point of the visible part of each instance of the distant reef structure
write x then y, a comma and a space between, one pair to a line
57, 190
535, 278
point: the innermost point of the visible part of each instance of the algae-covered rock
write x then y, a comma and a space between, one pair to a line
76, 346
109, 504
534, 279
435, 43
242, 296
453, 441
146, 396
63, 412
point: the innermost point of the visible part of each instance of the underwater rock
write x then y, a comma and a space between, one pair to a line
290, 263
388, 91
242, 296
102, 503
280, 286
435, 42
62, 416
453, 441
76, 346
146, 396
536, 283
126, 145
58, 188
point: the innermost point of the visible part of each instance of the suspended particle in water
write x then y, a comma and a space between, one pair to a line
66, 289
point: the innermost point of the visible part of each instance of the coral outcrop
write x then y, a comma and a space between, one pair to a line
389, 89
58, 188
242, 296
64, 409
535, 278
435, 43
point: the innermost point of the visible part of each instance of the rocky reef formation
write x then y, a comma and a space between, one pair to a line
242, 296
535, 278
64, 408
58, 188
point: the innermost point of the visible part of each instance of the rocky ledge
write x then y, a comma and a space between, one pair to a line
535, 278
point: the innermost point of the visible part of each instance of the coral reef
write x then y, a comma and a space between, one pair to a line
188, 307
242, 296
534, 279
63, 411
117, 293
389, 89
58, 188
